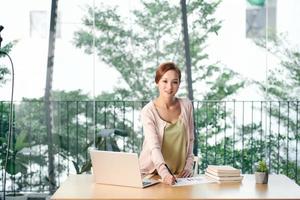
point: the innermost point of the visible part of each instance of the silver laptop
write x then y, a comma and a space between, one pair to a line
118, 168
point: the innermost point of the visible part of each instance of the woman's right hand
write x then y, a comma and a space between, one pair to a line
169, 179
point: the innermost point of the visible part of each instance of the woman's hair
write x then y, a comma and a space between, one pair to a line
163, 68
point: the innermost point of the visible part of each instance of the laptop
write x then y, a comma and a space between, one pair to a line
118, 168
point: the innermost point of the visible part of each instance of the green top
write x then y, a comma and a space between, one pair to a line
174, 146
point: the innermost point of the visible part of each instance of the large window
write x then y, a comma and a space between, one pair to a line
108, 50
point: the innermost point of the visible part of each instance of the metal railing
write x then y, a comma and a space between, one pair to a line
237, 133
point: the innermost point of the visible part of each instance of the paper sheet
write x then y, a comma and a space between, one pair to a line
193, 181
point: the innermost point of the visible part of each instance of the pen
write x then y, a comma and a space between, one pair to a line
170, 172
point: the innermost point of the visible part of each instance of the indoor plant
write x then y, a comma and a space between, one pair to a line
262, 172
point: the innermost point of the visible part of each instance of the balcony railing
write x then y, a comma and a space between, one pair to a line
237, 133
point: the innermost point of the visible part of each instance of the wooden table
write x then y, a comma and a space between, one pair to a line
83, 187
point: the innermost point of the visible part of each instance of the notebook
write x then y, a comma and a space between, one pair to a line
118, 168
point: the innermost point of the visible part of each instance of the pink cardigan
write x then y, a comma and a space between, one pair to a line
151, 157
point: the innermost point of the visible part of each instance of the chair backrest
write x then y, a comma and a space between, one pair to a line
196, 164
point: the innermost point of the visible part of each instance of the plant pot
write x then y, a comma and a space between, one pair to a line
261, 177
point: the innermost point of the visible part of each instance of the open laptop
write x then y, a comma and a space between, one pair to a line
118, 168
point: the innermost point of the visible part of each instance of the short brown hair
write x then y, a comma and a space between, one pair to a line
163, 68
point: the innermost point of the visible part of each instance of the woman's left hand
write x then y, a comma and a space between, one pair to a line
185, 173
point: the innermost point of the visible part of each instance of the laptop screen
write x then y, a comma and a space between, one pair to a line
116, 168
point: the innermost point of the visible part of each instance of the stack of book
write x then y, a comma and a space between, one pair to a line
223, 173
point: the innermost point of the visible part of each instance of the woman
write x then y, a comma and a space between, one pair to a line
168, 129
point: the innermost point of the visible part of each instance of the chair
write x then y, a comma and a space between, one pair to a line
196, 164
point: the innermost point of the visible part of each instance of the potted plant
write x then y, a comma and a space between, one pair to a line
262, 172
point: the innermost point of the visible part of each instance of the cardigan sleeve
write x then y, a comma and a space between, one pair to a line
153, 141
190, 123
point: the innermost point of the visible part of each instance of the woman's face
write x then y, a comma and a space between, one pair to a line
168, 84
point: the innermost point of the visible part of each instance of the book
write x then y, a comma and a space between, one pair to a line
222, 173
230, 181
224, 178
223, 169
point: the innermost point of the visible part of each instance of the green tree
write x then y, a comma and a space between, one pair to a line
14, 166
283, 86
136, 50
283, 81
5, 70
69, 135
73, 133
47, 96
